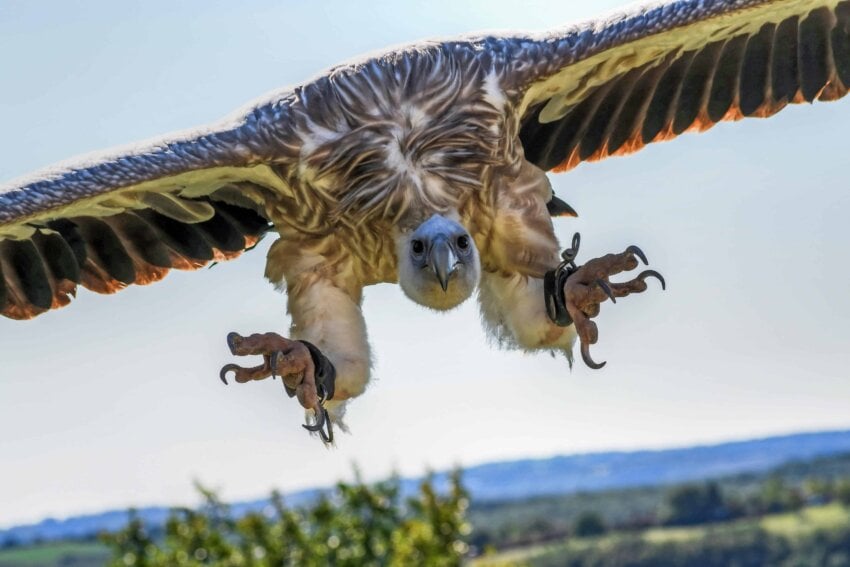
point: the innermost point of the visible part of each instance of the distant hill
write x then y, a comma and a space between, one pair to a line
514, 480
599, 471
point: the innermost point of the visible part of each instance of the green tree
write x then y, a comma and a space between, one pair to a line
357, 524
842, 491
134, 543
589, 524
821, 489
695, 504
777, 496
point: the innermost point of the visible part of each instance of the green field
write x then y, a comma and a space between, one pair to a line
520, 523
816, 522
64, 554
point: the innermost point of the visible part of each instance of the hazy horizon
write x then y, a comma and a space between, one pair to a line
472, 465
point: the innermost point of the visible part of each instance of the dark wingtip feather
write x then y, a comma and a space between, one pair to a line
24, 259
105, 250
107, 254
814, 53
755, 69
804, 57
185, 239
840, 38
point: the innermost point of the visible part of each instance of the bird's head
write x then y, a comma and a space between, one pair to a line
439, 265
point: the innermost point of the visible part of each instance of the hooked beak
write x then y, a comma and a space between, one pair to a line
443, 261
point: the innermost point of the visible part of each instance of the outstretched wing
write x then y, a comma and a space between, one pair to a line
109, 221
609, 88
585, 93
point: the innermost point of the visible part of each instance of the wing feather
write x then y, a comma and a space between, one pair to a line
106, 254
611, 88
585, 93
130, 217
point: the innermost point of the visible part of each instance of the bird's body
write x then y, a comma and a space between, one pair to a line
377, 149
367, 159
425, 166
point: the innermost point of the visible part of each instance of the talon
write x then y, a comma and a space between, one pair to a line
639, 253
604, 285
329, 437
225, 369
232, 339
585, 355
652, 274
273, 362
320, 420
267, 361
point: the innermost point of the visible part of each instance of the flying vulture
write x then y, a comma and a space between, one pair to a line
425, 165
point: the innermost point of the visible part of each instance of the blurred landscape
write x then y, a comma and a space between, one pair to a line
777, 500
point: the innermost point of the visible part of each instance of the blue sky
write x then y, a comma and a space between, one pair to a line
115, 401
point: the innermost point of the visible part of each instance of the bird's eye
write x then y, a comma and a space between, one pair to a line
462, 242
417, 247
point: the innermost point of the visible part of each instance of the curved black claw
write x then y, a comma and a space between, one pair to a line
273, 362
604, 285
232, 337
322, 418
639, 253
585, 356
652, 274
329, 437
225, 369
320, 421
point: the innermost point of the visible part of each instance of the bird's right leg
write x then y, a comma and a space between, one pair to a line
326, 360
304, 370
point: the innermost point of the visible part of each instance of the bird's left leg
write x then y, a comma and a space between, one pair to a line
574, 293
526, 300
518, 250
514, 314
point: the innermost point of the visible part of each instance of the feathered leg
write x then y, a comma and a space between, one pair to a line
514, 313
326, 360
521, 248
330, 318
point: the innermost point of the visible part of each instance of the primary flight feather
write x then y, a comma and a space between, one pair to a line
424, 166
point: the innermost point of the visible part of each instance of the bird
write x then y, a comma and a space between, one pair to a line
427, 166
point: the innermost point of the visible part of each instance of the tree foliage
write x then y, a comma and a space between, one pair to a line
357, 524
776, 496
695, 504
589, 524
842, 491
